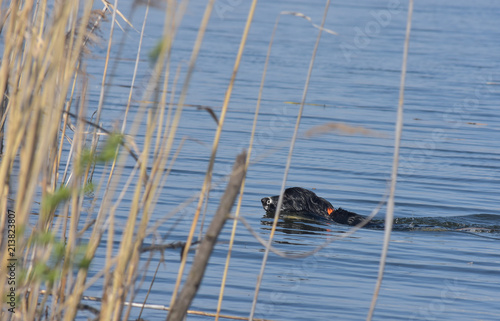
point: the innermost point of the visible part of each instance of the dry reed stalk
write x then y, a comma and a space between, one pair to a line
151, 184
129, 100
168, 35
389, 217
288, 162
161, 157
173, 25
225, 105
161, 307
111, 187
180, 104
200, 261
242, 188
208, 177
39, 63
36, 103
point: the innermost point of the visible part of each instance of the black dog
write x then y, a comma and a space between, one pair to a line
302, 201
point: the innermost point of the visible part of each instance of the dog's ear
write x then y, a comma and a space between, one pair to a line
311, 203
315, 200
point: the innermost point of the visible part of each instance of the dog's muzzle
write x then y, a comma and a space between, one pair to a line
268, 204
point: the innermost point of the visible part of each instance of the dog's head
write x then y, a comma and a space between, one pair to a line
269, 203
299, 200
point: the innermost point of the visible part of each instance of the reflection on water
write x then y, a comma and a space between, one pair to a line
296, 224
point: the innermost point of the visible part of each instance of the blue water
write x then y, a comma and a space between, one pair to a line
449, 167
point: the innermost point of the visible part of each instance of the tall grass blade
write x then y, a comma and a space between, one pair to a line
389, 217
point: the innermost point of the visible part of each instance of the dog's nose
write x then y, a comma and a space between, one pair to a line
264, 201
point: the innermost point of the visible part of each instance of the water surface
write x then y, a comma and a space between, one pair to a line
449, 170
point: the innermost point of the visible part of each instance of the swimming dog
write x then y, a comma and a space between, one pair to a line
304, 202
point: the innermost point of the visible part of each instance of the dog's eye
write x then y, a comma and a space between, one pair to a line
268, 202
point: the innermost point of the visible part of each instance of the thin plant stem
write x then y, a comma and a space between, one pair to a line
288, 162
180, 105
227, 97
208, 176
105, 71
247, 163
389, 217
200, 261
136, 67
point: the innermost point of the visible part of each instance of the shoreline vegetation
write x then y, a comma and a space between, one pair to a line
52, 142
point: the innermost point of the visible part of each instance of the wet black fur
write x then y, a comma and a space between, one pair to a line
302, 201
